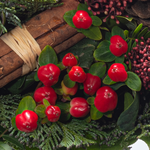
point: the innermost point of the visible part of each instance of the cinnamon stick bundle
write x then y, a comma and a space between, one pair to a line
47, 28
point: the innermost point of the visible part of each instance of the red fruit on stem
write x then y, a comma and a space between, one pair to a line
117, 72
79, 107
48, 74
77, 74
91, 84
106, 99
81, 19
27, 121
69, 91
47, 93
118, 45
69, 60
53, 113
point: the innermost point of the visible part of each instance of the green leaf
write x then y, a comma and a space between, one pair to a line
117, 31
13, 123
93, 33
137, 30
98, 69
84, 7
36, 77
127, 119
61, 66
46, 102
68, 82
96, 21
84, 50
40, 110
133, 81
14, 141
64, 107
104, 28
108, 81
4, 146
90, 100
45, 120
142, 33
107, 36
95, 113
126, 33
103, 53
128, 100
119, 59
48, 55
27, 103
116, 86
126, 67
147, 35
68, 17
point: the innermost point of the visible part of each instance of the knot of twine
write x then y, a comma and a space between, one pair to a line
25, 46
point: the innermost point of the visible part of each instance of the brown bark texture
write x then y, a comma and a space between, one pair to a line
47, 28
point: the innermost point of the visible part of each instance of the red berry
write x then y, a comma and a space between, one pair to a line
79, 107
69, 60
77, 74
48, 74
53, 113
69, 91
91, 84
118, 45
27, 121
81, 19
47, 93
106, 99
117, 72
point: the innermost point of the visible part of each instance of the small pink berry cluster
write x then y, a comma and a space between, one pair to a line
111, 8
140, 60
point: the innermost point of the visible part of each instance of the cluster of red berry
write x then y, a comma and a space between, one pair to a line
106, 98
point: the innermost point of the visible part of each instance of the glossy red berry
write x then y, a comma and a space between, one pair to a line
77, 74
81, 19
106, 99
117, 72
118, 45
53, 113
69, 60
79, 107
47, 93
91, 84
48, 74
69, 91
27, 121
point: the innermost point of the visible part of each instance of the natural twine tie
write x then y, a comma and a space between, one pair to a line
25, 46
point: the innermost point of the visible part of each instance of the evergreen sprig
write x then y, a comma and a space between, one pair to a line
12, 10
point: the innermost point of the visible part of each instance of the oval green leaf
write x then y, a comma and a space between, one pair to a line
68, 17
119, 59
46, 102
142, 33
127, 119
48, 55
40, 110
94, 113
116, 86
137, 30
98, 69
68, 82
4, 146
133, 81
27, 103
117, 31
96, 21
90, 100
108, 81
103, 53
92, 33
128, 100
13, 123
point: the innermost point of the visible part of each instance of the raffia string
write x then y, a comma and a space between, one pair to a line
25, 46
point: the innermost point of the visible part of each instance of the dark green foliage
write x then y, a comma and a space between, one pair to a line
12, 10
